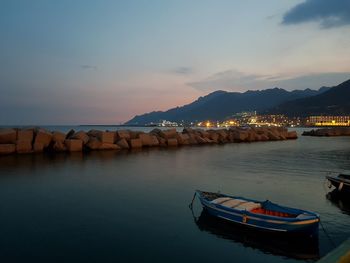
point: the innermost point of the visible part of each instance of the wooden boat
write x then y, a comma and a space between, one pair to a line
305, 248
340, 182
263, 215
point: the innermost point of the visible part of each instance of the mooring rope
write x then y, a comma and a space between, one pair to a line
327, 235
191, 204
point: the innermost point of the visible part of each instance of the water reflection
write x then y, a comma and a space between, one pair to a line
301, 248
339, 200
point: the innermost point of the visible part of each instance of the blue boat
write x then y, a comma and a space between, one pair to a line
263, 215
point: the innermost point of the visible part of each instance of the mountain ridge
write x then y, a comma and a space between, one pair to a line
220, 104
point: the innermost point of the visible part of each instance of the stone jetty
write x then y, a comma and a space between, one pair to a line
37, 140
339, 131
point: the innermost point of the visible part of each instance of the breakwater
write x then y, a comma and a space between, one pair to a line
37, 140
339, 131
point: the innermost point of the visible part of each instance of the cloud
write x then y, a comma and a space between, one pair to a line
182, 70
328, 13
88, 67
233, 80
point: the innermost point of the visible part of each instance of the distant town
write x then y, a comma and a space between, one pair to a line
267, 120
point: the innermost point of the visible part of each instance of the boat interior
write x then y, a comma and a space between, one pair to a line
244, 205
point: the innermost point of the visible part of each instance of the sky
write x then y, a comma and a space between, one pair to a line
102, 62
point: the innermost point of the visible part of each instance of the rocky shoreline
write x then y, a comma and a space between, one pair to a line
328, 132
37, 140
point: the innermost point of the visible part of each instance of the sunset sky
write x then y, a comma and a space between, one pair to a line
102, 62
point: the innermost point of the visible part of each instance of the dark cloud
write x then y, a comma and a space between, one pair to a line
88, 67
328, 13
182, 70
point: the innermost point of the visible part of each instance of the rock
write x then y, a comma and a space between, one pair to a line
192, 139
8, 136
162, 141
156, 131
109, 137
214, 136
154, 140
172, 142
272, 136
58, 136
183, 139
123, 134
59, 146
104, 137
81, 135
7, 148
264, 137
239, 135
25, 135
200, 140
109, 146
93, 143
292, 135
167, 134
43, 137
38, 147
74, 145
123, 144
24, 147
135, 143
145, 139
69, 134
187, 130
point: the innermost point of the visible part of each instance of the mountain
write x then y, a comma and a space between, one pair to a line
222, 104
334, 101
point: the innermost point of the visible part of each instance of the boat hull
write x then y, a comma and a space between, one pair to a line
262, 222
342, 186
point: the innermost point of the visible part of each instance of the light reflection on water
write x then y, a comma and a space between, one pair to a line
132, 207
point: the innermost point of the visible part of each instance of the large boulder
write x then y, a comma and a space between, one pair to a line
154, 140
74, 145
272, 136
239, 135
43, 137
292, 135
167, 134
26, 135
38, 147
8, 136
123, 144
7, 149
192, 139
183, 138
58, 136
123, 134
214, 136
81, 135
200, 139
93, 143
24, 147
162, 141
103, 136
146, 139
172, 142
59, 146
135, 143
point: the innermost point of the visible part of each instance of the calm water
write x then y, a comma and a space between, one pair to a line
133, 207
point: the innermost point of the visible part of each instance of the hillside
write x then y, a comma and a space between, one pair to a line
222, 104
335, 101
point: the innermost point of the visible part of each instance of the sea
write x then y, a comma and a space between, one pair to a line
133, 206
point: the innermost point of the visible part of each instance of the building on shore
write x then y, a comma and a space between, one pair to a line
328, 121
